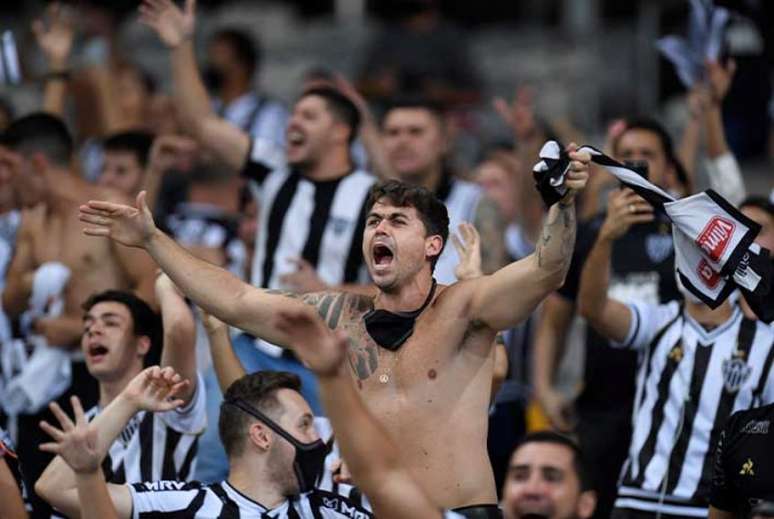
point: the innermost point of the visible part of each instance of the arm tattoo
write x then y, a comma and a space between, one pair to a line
557, 240
491, 227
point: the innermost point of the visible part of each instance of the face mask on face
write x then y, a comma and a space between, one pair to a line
309, 462
391, 329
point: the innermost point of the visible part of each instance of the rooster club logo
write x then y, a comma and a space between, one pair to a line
707, 274
714, 239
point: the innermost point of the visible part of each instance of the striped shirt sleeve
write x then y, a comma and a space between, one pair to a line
647, 321
263, 157
162, 496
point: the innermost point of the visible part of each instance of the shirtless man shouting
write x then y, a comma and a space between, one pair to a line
420, 354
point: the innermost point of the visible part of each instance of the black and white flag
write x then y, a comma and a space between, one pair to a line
714, 249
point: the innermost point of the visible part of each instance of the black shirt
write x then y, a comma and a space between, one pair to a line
642, 269
744, 473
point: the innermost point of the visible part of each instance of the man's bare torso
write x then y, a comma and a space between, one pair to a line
432, 394
57, 236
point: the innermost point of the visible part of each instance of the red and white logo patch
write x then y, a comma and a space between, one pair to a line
707, 274
715, 237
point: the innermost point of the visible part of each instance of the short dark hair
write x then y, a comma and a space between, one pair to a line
40, 132
145, 322
259, 390
431, 210
579, 461
760, 202
415, 102
667, 145
246, 48
136, 142
341, 106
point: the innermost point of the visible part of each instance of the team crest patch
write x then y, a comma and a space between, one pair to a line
339, 224
659, 247
735, 373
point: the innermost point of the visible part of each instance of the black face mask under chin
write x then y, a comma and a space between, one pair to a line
391, 329
309, 462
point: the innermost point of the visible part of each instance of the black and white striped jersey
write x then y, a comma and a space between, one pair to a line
161, 499
156, 446
321, 222
8, 454
257, 115
690, 380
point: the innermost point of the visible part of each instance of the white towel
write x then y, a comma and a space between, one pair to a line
46, 373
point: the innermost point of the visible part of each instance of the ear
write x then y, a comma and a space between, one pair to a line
433, 246
143, 345
39, 163
587, 504
260, 436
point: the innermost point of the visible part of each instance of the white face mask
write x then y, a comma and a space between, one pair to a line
687, 294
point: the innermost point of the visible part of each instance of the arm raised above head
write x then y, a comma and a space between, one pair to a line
510, 295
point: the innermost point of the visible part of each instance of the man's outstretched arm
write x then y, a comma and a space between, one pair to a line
214, 289
152, 390
511, 294
369, 451
175, 28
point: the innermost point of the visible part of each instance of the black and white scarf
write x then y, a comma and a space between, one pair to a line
714, 249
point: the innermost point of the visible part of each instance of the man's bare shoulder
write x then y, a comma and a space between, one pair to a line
31, 221
334, 307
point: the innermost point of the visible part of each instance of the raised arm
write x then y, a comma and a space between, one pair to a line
214, 289
369, 451
609, 317
511, 294
179, 351
54, 36
10, 497
81, 446
228, 367
175, 28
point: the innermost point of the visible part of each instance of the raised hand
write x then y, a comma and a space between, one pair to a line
520, 113
130, 226
321, 349
154, 389
468, 245
304, 279
624, 209
172, 24
75, 442
719, 78
55, 38
169, 151
578, 175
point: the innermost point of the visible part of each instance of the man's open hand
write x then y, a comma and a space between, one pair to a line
172, 24
75, 442
130, 226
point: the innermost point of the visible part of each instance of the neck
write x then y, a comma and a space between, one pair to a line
109, 390
408, 297
65, 189
255, 482
233, 88
429, 178
708, 317
332, 165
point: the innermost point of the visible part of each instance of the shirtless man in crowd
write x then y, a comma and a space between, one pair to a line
35, 154
420, 354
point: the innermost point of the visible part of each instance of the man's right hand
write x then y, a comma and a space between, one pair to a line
557, 408
130, 226
75, 442
154, 389
172, 24
624, 209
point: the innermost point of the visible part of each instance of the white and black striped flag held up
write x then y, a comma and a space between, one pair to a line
714, 249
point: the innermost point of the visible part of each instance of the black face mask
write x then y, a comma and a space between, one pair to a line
213, 78
391, 329
309, 462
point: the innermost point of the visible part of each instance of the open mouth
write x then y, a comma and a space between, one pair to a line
296, 138
97, 352
383, 255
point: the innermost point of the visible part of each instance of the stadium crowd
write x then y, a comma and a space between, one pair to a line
216, 304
